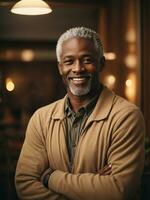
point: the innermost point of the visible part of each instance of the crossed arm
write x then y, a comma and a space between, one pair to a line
125, 155
32, 178
122, 183
47, 173
31, 165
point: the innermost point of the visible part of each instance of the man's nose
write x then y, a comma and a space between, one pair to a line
78, 67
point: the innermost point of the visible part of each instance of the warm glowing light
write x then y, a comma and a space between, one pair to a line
131, 61
130, 89
31, 7
27, 55
10, 86
110, 56
129, 83
110, 80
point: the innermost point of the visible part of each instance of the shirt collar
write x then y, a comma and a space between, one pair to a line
86, 108
101, 110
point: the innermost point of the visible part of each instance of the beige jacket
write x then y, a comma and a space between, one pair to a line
114, 133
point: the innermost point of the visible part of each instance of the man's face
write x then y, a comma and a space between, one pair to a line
79, 66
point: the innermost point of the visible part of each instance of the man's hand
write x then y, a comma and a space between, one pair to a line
105, 170
45, 176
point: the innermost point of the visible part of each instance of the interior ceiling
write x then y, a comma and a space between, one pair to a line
66, 14
54, 2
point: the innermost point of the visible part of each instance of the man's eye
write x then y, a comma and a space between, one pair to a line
68, 62
87, 61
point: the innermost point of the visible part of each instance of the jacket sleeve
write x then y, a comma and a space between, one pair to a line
32, 163
126, 154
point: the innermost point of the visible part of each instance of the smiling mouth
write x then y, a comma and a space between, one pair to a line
79, 80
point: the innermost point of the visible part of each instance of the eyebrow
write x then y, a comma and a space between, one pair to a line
84, 55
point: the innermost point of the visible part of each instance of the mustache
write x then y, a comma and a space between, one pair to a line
83, 75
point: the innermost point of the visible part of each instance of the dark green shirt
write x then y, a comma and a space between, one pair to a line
75, 124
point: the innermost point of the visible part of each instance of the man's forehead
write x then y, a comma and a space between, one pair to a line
78, 47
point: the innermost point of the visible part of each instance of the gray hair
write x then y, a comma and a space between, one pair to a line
80, 32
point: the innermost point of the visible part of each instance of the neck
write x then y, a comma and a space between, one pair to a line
79, 101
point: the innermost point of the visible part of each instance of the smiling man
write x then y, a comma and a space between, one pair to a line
88, 145
79, 66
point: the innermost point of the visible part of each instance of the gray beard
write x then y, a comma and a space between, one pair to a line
80, 91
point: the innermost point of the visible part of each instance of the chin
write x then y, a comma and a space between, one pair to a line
79, 91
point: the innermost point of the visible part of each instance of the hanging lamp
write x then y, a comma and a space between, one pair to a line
31, 7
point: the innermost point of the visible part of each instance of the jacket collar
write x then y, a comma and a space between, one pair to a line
59, 110
103, 106
101, 110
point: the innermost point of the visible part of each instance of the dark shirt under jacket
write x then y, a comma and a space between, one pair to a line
75, 123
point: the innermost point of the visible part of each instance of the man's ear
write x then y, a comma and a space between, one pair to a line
102, 63
59, 68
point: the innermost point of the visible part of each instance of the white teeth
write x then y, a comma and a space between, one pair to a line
78, 79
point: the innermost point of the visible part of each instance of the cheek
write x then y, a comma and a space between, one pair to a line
91, 68
65, 71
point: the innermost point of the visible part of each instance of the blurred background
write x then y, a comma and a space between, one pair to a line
29, 76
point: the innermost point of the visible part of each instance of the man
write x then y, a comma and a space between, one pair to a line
88, 145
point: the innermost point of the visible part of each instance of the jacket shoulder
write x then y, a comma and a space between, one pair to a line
47, 112
124, 112
122, 103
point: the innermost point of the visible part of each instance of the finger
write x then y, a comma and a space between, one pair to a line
108, 172
106, 169
47, 171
